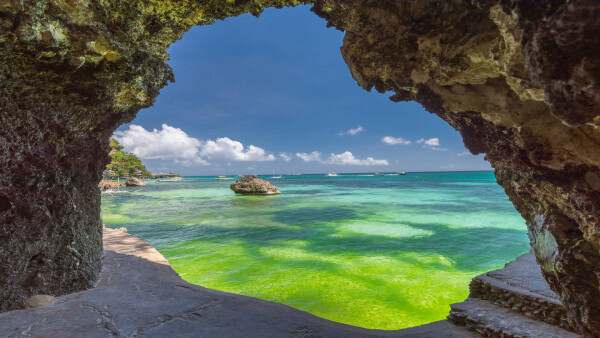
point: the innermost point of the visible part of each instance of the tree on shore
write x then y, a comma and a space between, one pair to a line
123, 164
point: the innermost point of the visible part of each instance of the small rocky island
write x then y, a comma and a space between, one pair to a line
134, 182
252, 185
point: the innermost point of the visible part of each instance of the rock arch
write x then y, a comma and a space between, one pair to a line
517, 78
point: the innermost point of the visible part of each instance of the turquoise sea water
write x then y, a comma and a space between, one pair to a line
383, 252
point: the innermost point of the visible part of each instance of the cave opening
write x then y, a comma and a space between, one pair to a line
517, 79
377, 252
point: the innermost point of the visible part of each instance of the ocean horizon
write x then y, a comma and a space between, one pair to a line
338, 172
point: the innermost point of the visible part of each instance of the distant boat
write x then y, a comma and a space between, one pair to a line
276, 176
225, 178
332, 174
396, 174
402, 173
379, 174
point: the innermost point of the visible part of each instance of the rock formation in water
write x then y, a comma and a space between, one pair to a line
252, 185
134, 182
518, 79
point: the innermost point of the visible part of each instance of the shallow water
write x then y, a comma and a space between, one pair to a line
383, 252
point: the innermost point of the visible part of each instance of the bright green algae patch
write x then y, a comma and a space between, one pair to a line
378, 252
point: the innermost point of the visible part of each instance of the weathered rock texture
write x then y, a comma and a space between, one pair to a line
525, 292
71, 71
252, 185
134, 182
514, 301
518, 79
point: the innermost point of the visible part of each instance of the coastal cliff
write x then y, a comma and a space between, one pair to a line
517, 79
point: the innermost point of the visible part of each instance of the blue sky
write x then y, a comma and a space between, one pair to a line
262, 95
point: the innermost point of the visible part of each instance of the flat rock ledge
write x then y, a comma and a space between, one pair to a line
515, 301
252, 185
139, 294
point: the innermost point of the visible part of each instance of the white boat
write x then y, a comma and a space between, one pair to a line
379, 174
402, 173
111, 191
332, 174
225, 178
275, 176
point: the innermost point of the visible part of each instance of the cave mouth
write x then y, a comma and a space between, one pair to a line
377, 252
517, 80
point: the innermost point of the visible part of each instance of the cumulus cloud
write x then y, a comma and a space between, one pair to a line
169, 143
345, 158
172, 143
314, 156
394, 140
432, 143
285, 157
352, 131
228, 149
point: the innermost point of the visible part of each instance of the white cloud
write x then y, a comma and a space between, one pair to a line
172, 143
352, 131
168, 144
228, 149
285, 157
346, 158
314, 156
464, 153
432, 143
394, 140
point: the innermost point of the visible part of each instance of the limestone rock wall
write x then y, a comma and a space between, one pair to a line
518, 80
72, 71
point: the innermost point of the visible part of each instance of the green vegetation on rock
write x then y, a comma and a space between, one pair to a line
123, 164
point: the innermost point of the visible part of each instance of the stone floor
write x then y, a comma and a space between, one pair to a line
515, 301
524, 272
139, 294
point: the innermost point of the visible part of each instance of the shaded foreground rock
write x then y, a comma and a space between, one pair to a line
252, 185
139, 294
134, 182
514, 301
520, 287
